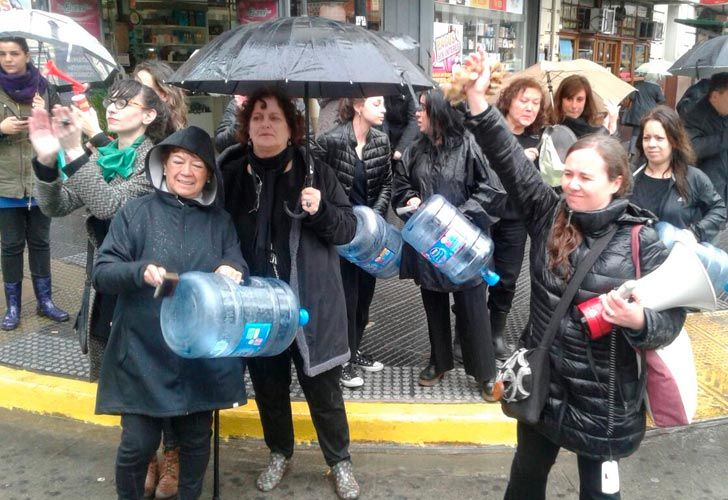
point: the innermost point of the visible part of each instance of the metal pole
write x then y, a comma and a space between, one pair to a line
216, 457
552, 39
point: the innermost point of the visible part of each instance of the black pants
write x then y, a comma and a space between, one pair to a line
271, 378
474, 331
509, 237
18, 225
140, 437
532, 462
358, 292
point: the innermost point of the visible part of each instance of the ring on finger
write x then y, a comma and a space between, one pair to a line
308, 204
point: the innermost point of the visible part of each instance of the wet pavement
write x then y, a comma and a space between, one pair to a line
45, 457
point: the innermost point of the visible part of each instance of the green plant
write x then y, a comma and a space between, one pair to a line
95, 96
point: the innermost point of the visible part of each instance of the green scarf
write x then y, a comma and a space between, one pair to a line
115, 162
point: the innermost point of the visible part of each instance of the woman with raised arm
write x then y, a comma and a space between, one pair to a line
599, 421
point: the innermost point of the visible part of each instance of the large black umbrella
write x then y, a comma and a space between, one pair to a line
305, 57
309, 56
704, 59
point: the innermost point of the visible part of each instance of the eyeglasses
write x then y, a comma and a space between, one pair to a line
120, 103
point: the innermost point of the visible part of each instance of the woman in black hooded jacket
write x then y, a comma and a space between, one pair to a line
585, 413
177, 228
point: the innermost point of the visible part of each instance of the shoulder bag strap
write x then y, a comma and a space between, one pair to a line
574, 284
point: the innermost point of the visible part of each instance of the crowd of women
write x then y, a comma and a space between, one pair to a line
158, 181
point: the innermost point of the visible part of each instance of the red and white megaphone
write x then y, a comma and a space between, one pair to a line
79, 99
681, 281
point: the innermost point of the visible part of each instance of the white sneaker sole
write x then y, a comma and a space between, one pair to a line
353, 383
376, 367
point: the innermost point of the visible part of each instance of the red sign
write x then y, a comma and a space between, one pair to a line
256, 11
497, 4
713, 2
84, 12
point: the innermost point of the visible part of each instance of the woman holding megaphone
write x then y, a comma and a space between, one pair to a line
593, 407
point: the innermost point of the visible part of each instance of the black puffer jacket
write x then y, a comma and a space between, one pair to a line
704, 213
337, 148
462, 176
576, 412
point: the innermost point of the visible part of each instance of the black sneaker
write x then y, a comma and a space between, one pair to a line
366, 363
350, 377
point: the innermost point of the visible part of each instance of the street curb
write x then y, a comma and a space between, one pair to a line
398, 423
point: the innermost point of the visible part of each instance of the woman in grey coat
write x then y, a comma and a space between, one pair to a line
102, 180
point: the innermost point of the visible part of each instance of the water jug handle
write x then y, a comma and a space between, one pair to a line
490, 277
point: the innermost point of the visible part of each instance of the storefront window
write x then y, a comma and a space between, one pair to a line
339, 10
462, 26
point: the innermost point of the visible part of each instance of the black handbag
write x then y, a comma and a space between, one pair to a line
527, 372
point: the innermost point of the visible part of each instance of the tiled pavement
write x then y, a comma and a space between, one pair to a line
397, 335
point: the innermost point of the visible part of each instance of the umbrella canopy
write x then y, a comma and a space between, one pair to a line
704, 59
60, 38
658, 67
604, 84
331, 59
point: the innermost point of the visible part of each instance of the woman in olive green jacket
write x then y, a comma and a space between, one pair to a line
22, 88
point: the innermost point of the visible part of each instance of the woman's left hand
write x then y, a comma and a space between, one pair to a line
531, 153
310, 200
621, 312
230, 272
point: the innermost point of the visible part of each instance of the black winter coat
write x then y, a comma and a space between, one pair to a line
140, 374
227, 131
315, 273
400, 122
646, 96
337, 148
704, 213
462, 176
576, 412
708, 132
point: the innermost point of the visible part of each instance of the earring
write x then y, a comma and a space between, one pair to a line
250, 142
208, 181
290, 142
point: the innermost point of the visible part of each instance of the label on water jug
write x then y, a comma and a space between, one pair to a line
448, 245
254, 336
381, 260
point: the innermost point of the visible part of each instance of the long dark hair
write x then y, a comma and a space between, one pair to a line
291, 114
682, 149
161, 72
512, 92
570, 86
566, 237
128, 89
346, 108
446, 123
17, 40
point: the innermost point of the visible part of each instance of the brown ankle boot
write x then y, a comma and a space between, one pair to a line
150, 483
169, 475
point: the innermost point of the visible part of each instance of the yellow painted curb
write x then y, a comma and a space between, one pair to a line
403, 423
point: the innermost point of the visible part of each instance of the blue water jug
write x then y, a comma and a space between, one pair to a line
377, 245
452, 243
714, 259
211, 316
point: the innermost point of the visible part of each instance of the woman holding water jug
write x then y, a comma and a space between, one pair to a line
360, 156
445, 160
288, 230
177, 228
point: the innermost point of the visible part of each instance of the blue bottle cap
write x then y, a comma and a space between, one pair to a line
303, 317
490, 277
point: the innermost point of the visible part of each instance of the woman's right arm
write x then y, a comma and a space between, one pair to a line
402, 188
116, 270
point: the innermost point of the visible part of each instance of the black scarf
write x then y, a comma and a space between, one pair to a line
267, 170
580, 127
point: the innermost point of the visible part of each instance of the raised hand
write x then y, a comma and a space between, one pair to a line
42, 137
66, 129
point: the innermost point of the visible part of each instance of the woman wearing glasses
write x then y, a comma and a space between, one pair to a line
69, 177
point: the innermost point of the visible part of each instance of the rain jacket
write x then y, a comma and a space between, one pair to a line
462, 176
16, 152
337, 148
140, 373
708, 132
315, 275
704, 213
577, 409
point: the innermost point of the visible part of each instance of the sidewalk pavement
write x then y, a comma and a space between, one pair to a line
43, 371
